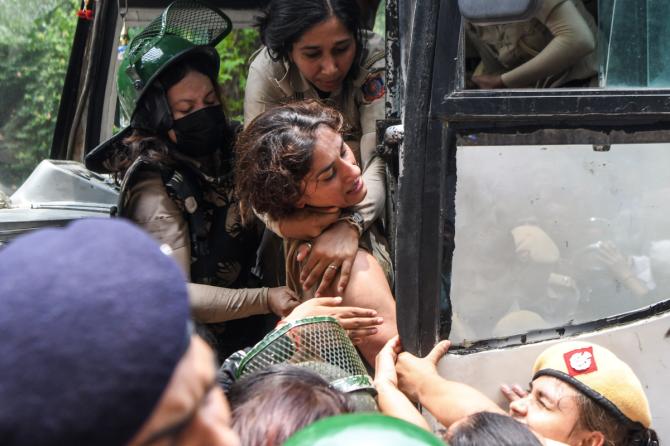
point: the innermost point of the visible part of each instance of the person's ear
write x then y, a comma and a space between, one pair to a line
593, 438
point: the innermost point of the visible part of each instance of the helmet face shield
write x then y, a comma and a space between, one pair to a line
185, 27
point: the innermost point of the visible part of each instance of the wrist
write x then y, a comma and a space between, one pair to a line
384, 383
355, 220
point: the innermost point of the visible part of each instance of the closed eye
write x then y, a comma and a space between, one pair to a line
341, 49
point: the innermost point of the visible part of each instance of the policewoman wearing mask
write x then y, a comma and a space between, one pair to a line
316, 49
175, 160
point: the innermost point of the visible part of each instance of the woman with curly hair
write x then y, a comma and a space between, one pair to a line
317, 49
293, 159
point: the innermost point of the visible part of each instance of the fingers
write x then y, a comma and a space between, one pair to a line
360, 323
326, 301
513, 393
352, 312
327, 279
317, 271
289, 306
360, 334
345, 274
303, 251
438, 351
392, 348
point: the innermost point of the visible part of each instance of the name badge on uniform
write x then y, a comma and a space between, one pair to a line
373, 87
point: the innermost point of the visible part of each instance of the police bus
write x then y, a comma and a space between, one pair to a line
519, 216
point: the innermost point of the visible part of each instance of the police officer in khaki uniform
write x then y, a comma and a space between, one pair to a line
175, 159
313, 52
554, 48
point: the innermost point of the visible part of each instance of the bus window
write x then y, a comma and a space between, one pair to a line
550, 236
636, 34
35, 42
534, 44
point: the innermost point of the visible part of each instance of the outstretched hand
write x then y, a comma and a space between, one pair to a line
358, 322
413, 370
385, 362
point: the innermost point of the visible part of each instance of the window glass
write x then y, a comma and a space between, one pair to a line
35, 41
548, 236
557, 46
635, 35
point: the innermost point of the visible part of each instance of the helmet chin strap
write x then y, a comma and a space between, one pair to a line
153, 111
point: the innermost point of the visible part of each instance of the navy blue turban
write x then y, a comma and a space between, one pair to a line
93, 321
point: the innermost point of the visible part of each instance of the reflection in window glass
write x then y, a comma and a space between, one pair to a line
557, 235
556, 47
636, 33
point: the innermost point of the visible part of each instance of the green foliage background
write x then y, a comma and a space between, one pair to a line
35, 42
235, 51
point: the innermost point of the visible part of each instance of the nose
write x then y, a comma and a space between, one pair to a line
351, 170
329, 66
519, 408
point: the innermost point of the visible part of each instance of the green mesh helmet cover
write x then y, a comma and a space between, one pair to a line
318, 343
368, 429
184, 27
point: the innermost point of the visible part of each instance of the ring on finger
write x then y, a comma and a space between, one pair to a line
309, 245
333, 266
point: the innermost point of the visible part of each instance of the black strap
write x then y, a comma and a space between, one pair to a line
183, 185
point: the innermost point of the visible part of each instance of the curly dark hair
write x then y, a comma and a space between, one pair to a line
274, 154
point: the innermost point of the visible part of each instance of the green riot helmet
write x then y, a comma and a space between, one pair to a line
370, 429
320, 344
185, 28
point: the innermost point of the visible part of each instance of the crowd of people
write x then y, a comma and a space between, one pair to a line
157, 328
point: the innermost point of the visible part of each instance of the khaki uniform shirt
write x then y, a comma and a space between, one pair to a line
271, 84
149, 205
549, 50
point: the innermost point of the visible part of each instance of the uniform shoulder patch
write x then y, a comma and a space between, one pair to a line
373, 87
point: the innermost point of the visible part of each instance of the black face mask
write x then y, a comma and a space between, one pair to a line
201, 133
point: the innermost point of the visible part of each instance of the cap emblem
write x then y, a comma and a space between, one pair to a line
580, 361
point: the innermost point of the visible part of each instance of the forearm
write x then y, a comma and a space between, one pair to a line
572, 40
450, 401
211, 304
394, 403
372, 206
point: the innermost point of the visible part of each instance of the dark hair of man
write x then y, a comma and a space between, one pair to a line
594, 417
270, 405
492, 429
155, 109
285, 21
274, 154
